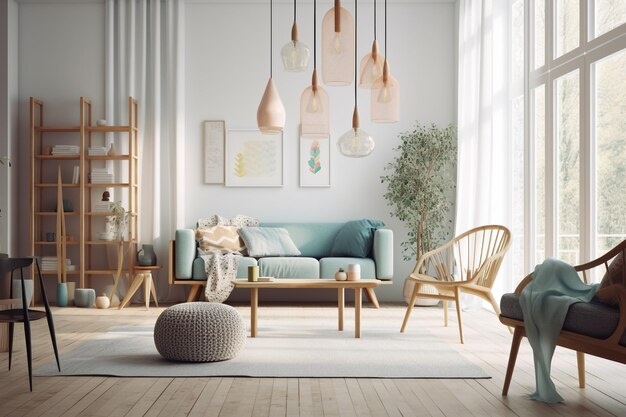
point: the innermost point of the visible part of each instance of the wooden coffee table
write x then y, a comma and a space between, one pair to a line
341, 286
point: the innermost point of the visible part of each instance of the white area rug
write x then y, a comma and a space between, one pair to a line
284, 348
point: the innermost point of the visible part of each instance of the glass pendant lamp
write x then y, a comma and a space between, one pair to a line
295, 54
372, 63
355, 142
314, 102
270, 115
385, 99
337, 46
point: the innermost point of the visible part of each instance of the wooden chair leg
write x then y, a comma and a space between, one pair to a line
193, 292
457, 300
53, 337
517, 338
11, 326
29, 353
580, 356
371, 296
409, 308
445, 313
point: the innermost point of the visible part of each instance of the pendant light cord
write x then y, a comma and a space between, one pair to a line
385, 29
271, 37
374, 19
356, 23
294, 11
314, 34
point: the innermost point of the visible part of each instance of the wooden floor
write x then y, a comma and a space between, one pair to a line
487, 344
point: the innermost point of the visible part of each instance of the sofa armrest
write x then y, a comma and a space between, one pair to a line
383, 253
185, 253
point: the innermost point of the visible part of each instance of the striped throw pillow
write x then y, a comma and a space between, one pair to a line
219, 237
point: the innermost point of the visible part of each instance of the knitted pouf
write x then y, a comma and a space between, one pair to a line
199, 332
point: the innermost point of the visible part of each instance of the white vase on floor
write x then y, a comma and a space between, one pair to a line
17, 290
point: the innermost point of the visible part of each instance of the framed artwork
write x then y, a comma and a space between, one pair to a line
214, 143
254, 159
314, 162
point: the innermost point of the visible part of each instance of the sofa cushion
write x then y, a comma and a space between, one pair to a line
594, 319
314, 240
199, 273
219, 237
355, 238
268, 241
280, 267
328, 266
185, 253
614, 275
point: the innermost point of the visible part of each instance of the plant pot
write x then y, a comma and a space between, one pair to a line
62, 294
146, 256
17, 290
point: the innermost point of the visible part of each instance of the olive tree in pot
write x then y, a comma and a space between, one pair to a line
420, 182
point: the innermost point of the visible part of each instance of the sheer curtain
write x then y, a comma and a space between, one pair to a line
490, 185
145, 59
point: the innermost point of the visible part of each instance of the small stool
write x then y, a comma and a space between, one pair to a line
143, 275
199, 332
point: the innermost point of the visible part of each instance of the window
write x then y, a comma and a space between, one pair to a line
576, 132
609, 129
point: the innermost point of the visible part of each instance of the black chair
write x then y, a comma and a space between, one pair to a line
24, 314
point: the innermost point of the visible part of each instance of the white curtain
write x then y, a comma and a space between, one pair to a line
490, 125
145, 60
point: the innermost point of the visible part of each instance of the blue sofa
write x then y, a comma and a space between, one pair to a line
314, 240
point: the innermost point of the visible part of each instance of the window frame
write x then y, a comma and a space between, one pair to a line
583, 58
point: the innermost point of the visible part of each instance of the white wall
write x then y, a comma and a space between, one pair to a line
61, 57
227, 49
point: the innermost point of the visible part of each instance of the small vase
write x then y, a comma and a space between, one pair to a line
17, 291
62, 294
354, 272
71, 288
146, 256
103, 302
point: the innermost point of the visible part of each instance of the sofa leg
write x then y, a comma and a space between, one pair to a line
193, 293
371, 296
518, 333
580, 356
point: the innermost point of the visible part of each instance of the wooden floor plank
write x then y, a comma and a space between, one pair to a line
487, 345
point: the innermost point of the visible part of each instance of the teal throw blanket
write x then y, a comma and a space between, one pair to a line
545, 300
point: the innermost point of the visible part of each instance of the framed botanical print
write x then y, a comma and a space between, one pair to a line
314, 162
254, 159
214, 143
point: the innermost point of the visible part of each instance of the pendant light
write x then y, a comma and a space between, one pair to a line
314, 102
385, 99
337, 46
372, 63
295, 54
355, 142
270, 115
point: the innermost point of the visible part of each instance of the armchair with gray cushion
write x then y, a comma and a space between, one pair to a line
596, 328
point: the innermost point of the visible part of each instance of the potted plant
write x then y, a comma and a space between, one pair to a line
420, 183
118, 223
